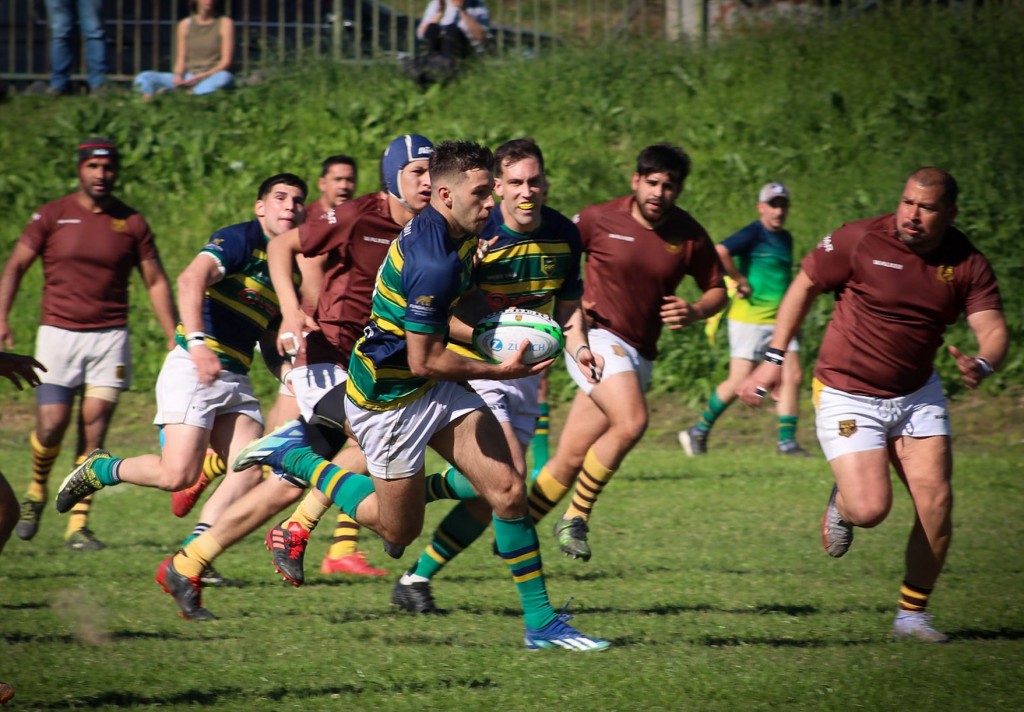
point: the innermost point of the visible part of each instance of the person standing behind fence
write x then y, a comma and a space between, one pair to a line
61, 15
205, 50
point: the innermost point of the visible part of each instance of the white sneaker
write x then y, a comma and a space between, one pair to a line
917, 624
836, 535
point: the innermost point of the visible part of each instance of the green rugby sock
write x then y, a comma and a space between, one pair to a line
517, 544
449, 484
711, 413
787, 427
346, 489
105, 469
456, 531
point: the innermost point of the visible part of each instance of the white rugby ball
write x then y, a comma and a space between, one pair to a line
499, 335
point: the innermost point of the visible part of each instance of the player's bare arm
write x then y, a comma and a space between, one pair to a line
990, 330
17, 264
678, 313
158, 286
766, 377
281, 254
203, 271
743, 288
569, 315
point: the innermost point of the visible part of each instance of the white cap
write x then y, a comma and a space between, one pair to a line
770, 191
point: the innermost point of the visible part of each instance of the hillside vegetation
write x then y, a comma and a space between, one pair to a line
841, 113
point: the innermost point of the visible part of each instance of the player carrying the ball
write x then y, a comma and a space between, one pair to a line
406, 391
532, 262
639, 248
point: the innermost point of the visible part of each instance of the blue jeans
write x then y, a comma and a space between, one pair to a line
62, 20
152, 82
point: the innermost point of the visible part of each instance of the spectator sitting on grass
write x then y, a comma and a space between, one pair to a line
205, 50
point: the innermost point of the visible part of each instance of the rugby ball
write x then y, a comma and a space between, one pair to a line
498, 335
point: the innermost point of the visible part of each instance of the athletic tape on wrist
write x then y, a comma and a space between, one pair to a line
775, 356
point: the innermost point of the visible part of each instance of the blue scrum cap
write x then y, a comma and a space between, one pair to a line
401, 152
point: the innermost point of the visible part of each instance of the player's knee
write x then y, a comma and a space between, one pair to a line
867, 512
173, 479
631, 428
507, 495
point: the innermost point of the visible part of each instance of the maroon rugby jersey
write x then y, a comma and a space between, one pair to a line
355, 236
87, 261
629, 268
892, 304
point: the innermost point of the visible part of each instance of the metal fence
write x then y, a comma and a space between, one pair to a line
139, 33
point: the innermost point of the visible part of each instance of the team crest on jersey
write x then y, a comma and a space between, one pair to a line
547, 266
119, 225
847, 428
672, 247
945, 274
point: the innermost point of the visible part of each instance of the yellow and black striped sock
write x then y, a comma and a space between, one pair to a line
79, 517
309, 512
198, 554
545, 493
42, 463
913, 598
589, 484
213, 465
346, 534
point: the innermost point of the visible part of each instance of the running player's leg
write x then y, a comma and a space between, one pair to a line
94, 417
583, 426
925, 466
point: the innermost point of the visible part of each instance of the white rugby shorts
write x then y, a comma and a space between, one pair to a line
750, 341
395, 441
180, 398
619, 357
513, 402
95, 358
849, 423
313, 381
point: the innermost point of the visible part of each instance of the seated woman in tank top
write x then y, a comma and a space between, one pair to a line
205, 49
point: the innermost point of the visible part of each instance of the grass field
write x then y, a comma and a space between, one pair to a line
708, 576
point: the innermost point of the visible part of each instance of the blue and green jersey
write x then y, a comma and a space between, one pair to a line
241, 306
418, 285
766, 259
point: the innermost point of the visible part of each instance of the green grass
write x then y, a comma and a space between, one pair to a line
708, 576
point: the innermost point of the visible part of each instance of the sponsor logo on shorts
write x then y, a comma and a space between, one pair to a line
119, 225
619, 351
424, 301
945, 274
847, 428
119, 372
624, 238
